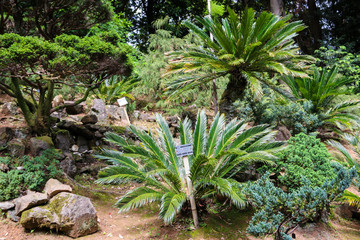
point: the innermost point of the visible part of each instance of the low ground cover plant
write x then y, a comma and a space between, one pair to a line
27, 173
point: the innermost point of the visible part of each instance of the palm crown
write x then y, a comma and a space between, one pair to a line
245, 48
216, 156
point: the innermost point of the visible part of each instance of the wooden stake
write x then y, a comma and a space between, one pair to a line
190, 192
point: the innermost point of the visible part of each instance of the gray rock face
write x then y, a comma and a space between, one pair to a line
72, 214
68, 166
16, 148
89, 119
39, 144
30, 200
99, 109
53, 187
113, 112
63, 140
4, 206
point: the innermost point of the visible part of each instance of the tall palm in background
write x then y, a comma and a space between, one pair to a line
244, 48
217, 154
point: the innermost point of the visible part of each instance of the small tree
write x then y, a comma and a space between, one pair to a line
31, 68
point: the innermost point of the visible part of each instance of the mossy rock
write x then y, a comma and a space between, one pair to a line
69, 213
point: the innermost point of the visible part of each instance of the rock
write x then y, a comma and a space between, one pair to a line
10, 108
63, 140
92, 127
68, 166
39, 144
4, 168
71, 214
113, 112
99, 134
99, 109
345, 211
12, 216
58, 101
136, 114
5, 206
74, 110
89, 119
53, 187
28, 201
5, 135
283, 134
83, 144
21, 133
147, 117
16, 148
75, 148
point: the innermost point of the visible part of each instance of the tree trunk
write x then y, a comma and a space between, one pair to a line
235, 90
277, 7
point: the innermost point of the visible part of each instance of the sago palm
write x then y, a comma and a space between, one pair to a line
352, 160
321, 88
245, 48
216, 155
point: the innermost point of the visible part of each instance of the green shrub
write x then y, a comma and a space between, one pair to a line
306, 161
280, 212
296, 116
33, 174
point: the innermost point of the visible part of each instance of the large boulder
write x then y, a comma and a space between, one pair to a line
71, 214
28, 201
40, 144
53, 187
16, 148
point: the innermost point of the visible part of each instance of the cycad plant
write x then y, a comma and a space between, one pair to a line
245, 48
116, 87
217, 153
350, 156
321, 88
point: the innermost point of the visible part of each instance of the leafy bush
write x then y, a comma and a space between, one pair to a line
27, 173
348, 63
296, 116
217, 153
305, 161
280, 212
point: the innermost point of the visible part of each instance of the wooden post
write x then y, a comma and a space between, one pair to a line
190, 192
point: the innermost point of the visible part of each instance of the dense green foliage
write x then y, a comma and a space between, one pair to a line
321, 88
216, 156
273, 109
31, 68
348, 64
27, 173
280, 212
244, 47
305, 161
